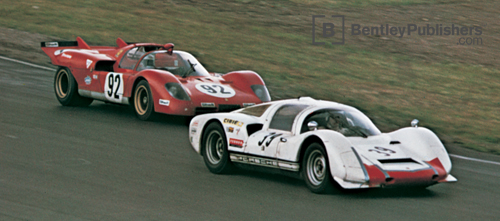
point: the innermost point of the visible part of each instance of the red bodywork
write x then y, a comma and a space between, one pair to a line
90, 66
379, 177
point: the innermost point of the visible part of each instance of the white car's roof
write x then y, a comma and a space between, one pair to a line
311, 102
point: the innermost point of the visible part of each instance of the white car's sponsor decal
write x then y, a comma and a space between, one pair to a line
216, 90
233, 122
235, 142
262, 161
195, 123
113, 87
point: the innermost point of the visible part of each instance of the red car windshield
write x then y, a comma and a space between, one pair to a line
178, 63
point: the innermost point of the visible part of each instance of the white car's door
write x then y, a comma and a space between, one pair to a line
266, 141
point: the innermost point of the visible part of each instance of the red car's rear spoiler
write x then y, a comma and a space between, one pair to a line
79, 44
51, 47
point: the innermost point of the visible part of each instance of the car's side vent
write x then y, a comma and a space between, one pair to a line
228, 107
252, 128
395, 142
400, 160
104, 66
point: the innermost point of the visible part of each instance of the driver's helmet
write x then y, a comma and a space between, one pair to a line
335, 121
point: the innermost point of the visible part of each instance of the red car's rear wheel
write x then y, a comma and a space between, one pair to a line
66, 89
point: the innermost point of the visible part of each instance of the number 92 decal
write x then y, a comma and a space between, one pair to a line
113, 87
216, 90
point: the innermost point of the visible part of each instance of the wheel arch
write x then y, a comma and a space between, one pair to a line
308, 141
134, 85
339, 151
202, 133
156, 80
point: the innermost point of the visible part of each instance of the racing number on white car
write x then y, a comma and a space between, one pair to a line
384, 151
113, 87
271, 137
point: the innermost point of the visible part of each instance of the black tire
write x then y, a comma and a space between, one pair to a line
143, 101
214, 149
66, 89
316, 169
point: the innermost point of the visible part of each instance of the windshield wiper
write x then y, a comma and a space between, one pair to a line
187, 73
358, 130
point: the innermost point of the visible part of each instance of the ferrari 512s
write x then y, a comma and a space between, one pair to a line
150, 77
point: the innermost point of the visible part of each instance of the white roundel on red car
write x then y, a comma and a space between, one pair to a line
216, 90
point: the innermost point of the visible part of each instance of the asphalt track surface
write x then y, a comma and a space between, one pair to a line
101, 163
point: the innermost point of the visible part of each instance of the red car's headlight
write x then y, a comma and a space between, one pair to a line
177, 91
261, 92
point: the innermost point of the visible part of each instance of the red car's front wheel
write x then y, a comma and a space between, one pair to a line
143, 101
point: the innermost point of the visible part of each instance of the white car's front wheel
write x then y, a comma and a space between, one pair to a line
315, 168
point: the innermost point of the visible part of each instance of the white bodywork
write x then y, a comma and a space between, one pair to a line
355, 162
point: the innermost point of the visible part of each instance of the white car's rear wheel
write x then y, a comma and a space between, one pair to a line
215, 153
315, 168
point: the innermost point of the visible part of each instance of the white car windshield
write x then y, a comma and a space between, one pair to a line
349, 122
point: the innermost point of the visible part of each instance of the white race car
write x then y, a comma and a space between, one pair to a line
322, 142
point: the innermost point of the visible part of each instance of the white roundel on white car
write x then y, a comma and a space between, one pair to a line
216, 90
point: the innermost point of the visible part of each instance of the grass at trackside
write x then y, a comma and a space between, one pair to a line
456, 99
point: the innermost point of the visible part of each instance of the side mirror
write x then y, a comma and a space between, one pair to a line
414, 123
312, 125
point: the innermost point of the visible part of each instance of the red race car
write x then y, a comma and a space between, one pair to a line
150, 77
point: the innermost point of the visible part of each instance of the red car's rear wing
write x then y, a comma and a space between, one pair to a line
78, 44
53, 48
